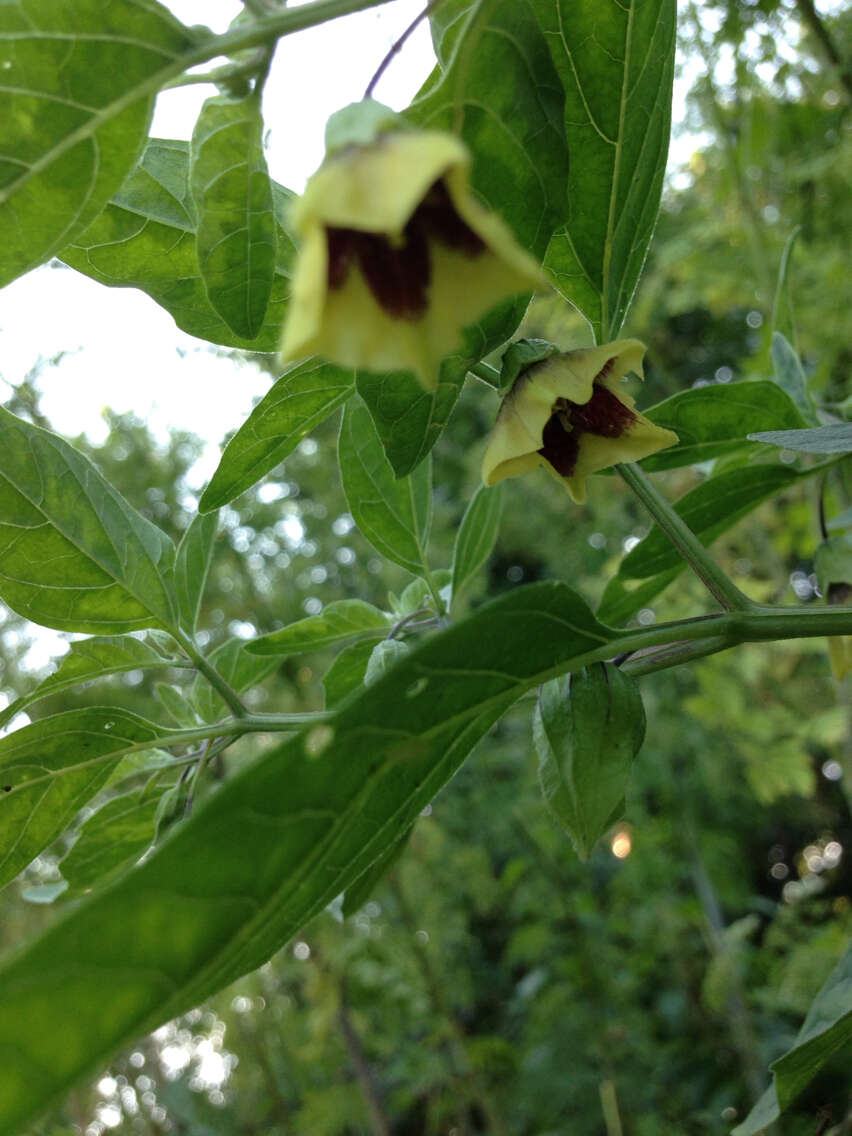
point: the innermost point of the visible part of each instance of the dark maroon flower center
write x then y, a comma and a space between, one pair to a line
398, 273
604, 415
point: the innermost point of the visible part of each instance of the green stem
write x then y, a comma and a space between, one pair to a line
648, 662
687, 639
227, 693
276, 25
440, 610
487, 373
684, 540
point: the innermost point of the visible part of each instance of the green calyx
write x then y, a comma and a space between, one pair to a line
520, 355
360, 124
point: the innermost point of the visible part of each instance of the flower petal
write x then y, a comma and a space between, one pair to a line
415, 260
376, 188
596, 453
518, 437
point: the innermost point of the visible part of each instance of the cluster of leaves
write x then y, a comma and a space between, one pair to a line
201, 228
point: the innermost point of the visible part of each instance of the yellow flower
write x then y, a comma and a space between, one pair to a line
397, 257
568, 413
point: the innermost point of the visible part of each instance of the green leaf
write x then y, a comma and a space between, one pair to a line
836, 438
338, 621
235, 237
192, 564
833, 563
356, 896
48, 771
418, 594
393, 515
713, 421
176, 704
73, 554
146, 238
710, 509
238, 668
302, 398
476, 535
588, 727
76, 96
790, 376
114, 837
827, 1027
347, 672
500, 91
409, 419
95, 658
383, 658
272, 847
616, 64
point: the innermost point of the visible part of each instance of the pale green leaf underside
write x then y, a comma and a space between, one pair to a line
76, 94
115, 836
347, 672
834, 438
73, 554
338, 621
271, 848
50, 769
94, 658
302, 398
616, 64
393, 515
146, 238
587, 728
236, 225
713, 421
789, 374
476, 536
192, 565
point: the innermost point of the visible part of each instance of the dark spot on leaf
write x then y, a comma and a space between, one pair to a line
6, 788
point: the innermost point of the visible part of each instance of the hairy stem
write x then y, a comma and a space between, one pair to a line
684, 540
229, 696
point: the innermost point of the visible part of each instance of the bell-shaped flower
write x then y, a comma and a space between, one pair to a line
397, 256
570, 413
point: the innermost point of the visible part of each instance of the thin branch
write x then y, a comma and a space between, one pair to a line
684, 539
397, 46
